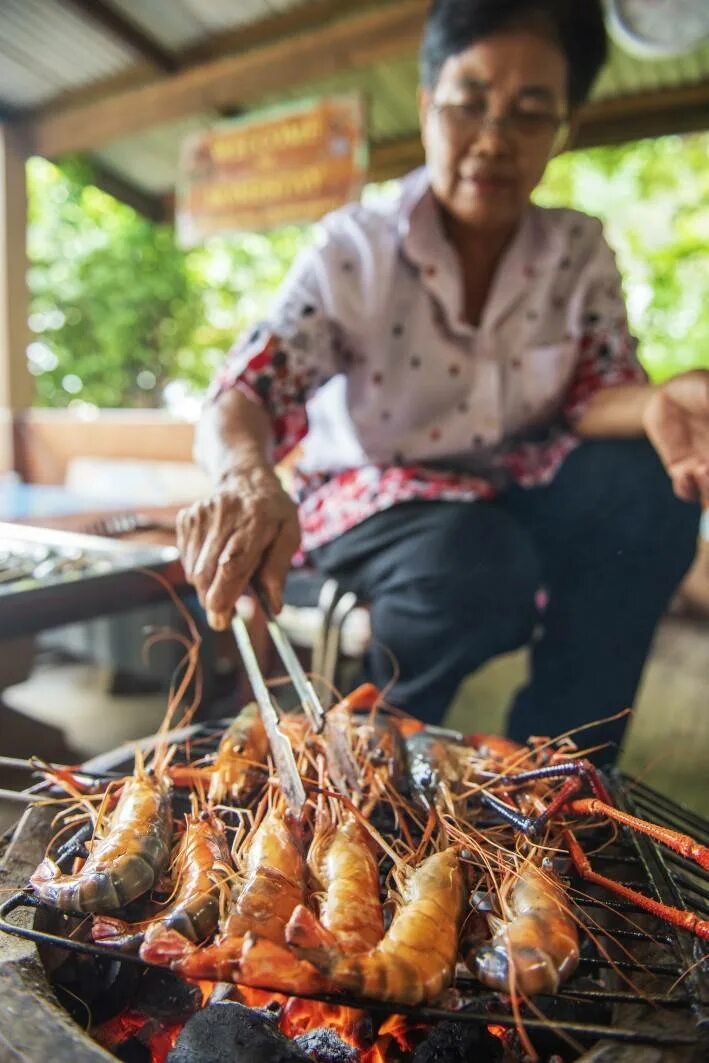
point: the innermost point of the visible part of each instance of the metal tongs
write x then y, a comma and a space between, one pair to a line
341, 763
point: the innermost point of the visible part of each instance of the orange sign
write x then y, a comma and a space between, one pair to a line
291, 164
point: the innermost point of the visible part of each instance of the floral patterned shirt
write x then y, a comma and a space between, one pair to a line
367, 360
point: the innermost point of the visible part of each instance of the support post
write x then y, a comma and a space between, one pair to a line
15, 379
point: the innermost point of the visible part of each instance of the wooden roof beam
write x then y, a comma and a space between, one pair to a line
125, 30
653, 114
367, 35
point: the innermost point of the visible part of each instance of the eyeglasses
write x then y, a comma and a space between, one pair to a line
466, 121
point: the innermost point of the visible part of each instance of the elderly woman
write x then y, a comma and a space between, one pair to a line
474, 424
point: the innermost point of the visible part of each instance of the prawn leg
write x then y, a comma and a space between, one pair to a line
684, 920
678, 842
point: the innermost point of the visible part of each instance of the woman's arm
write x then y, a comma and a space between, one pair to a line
616, 411
233, 434
673, 415
249, 524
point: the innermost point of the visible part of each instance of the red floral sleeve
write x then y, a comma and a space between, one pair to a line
606, 349
284, 360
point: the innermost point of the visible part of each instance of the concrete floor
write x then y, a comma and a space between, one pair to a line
667, 746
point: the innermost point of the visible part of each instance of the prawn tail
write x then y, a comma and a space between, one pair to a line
116, 933
310, 940
47, 871
165, 946
268, 965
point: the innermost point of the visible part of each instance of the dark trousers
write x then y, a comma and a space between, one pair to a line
453, 584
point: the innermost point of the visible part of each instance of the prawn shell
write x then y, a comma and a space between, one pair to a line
244, 740
125, 863
537, 949
432, 761
415, 960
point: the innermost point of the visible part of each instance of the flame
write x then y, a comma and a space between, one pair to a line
206, 989
497, 1031
161, 1043
397, 1029
299, 1016
257, 998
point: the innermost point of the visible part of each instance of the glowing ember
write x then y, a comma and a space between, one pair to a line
300, 1016
120, 1028
297, 1017
497, 1031
163, 1041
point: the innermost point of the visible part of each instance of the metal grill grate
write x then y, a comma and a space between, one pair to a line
640, 981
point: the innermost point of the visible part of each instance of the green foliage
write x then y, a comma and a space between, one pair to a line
653, 197
120, 314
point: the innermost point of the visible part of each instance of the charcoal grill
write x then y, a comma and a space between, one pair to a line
640, 981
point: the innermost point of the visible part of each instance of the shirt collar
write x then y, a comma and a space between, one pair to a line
424, 244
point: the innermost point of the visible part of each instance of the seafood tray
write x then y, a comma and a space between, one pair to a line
49, 578
639, 979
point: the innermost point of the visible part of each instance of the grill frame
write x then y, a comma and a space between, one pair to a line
664, 875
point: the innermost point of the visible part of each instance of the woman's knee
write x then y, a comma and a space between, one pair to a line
623, 488
486, 598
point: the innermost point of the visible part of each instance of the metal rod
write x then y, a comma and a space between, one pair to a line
304, 688
30, 764
281, 749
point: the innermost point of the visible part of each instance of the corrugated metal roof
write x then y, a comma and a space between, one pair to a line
46, 49
149, 161
177, 24
625, 75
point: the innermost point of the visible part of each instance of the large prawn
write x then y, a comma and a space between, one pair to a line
239, 764
535, 942
415, 960
274, 885
201, 869
127, 861
344, 867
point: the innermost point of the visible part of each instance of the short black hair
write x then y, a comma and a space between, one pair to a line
576, 25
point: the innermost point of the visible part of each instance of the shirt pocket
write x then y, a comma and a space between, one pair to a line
538, 382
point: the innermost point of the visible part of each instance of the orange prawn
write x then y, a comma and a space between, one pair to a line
415, 960
201, 861
535, 944
127, 861
344, 866
274, 884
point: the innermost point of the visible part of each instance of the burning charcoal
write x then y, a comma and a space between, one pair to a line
164, 996
232, 1033
451, 1042
324, 1046
132, 1051
105, 986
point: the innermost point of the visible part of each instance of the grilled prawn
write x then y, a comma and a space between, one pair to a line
535, 946
123, 864
415, 960
201, 867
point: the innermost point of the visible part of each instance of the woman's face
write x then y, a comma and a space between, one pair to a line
491, 125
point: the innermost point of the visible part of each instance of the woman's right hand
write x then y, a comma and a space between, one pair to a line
249, 526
